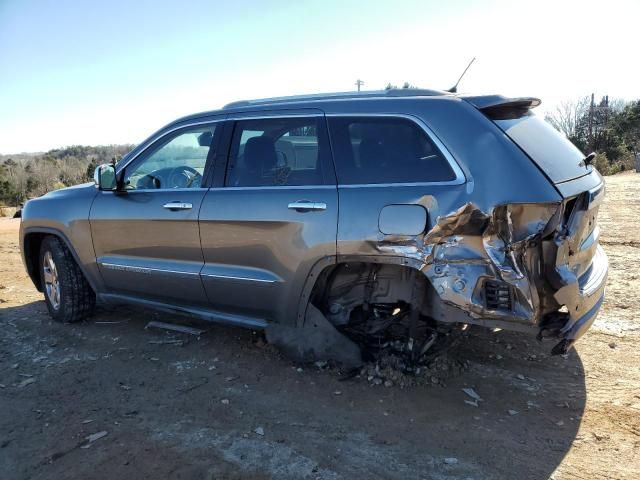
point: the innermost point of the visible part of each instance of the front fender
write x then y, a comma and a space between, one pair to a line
64, 213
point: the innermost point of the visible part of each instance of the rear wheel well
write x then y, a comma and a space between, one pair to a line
387, 308
343, 287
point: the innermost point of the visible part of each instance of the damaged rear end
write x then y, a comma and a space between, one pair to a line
531, 267
571, 283
540, 265
515, 246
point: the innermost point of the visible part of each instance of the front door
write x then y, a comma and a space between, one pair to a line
271, 219
146, 239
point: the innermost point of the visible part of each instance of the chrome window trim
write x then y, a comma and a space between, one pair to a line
277, 187
460, 176
265, 116
408, 184
150, 141
150, 190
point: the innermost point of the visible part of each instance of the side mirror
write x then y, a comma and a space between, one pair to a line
105, 177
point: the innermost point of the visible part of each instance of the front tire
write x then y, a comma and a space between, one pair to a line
67, 293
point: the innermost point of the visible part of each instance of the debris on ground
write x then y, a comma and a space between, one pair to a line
177, 342
176, 328
26, 381
472, 393
96, 436
259, 431
451, 461
392, 369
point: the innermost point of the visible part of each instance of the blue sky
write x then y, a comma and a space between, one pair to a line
74, 72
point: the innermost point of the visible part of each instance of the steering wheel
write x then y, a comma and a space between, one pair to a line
183, 177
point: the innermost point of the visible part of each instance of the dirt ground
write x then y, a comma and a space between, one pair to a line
225, 406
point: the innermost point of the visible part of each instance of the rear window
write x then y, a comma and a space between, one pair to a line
547, 147
370, 150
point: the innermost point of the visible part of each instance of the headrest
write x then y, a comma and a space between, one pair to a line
205, 138
260, 154
372, 153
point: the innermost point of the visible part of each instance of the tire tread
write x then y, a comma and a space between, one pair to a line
77, 299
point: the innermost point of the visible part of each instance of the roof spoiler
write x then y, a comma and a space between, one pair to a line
498, 107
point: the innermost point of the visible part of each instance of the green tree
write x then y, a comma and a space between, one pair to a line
626, 124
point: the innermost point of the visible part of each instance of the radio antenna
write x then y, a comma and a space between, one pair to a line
454, 89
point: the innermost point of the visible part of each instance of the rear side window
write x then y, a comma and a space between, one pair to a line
279, 152
385, 150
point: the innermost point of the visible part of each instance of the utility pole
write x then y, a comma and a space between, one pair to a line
597, 121
359, 83
590, 133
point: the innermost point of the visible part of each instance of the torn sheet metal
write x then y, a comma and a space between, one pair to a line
531, 255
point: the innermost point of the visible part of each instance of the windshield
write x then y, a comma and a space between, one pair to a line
547, 147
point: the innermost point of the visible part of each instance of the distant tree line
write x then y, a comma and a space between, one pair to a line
611, 128
24, 176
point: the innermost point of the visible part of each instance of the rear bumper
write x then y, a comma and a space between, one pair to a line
591, 297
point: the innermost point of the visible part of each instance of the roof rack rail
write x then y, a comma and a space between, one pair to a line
393, 92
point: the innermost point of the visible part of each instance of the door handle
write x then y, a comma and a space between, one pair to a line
306, 206
178, 206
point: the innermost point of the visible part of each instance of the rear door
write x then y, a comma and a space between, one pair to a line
271, 217
147, 239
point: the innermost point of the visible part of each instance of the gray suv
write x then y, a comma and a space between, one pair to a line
376, 216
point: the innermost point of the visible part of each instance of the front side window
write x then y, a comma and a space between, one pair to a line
177, 162
370, 150
278, 152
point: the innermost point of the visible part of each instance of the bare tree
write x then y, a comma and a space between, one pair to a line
566, 116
